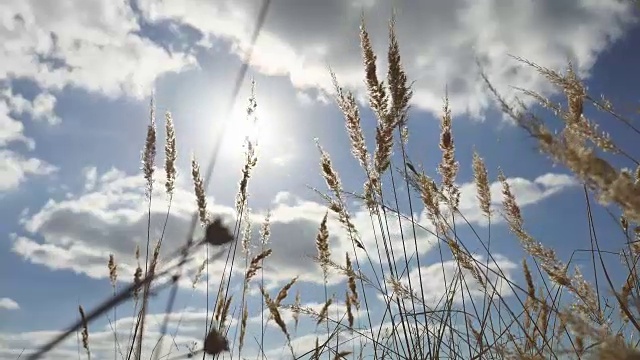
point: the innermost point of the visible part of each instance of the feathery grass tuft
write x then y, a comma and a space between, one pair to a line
201, 197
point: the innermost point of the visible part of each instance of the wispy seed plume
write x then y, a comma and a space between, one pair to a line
322, 245
149, 152
201, 198
170, 154
481, 179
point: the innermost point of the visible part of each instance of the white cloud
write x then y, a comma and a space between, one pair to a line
189, 323
8, 304
12, 130
101, 337
441, 280
439, 41
15, 168
109, 219
79, 232
305, 344
527, 192
337, 311
282, 160
89, 44
90, 175
41, 108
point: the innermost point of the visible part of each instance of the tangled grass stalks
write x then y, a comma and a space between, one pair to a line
483, 312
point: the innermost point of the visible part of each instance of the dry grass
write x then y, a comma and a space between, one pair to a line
554, 313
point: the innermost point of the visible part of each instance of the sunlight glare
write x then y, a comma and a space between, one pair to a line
270, 128
256, 126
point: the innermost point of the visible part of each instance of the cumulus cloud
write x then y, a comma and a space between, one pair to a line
15, 168
12, 130
78, 233
8, 304
527, 192
91, 44
336, 310
190, 323
90, 176
442, 281
94, 45
440, 41
305, 344
109, 219
41, 108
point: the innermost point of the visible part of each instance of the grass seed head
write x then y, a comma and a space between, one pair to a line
215, 343
217, 233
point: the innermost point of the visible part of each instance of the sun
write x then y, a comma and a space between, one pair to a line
244, 126
267, 124
240, 129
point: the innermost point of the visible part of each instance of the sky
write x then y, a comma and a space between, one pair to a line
76, 79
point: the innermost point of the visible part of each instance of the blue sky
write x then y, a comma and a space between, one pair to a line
75, 85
